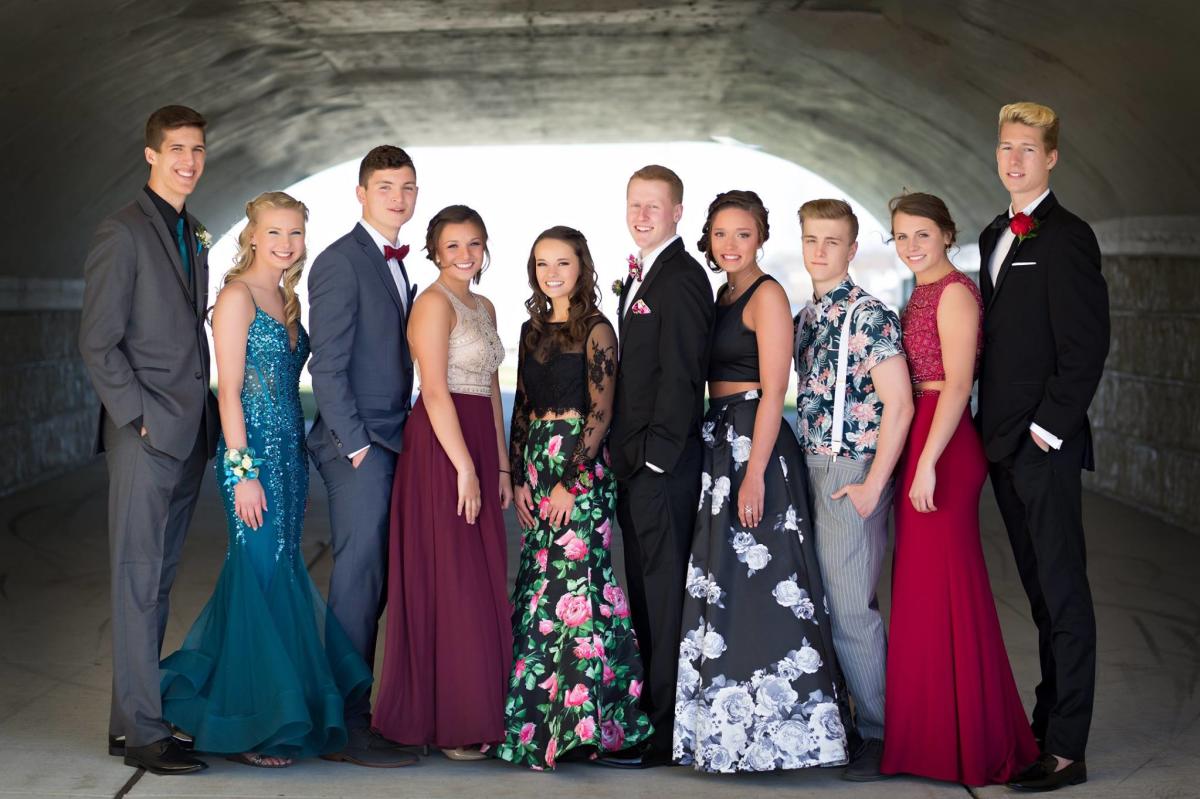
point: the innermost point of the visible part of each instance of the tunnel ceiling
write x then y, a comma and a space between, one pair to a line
875, 96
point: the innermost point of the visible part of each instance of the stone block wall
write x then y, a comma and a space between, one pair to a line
1146, 415
48, 410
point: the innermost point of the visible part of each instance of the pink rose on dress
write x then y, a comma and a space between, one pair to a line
598, 647
537, 597
573, 546
551, 751
635, 688
543, 559
545, 626
616, 596
527, 732
584, 648
519, 668
599, 471
586, 728
576, 696
611, 735
605, 531
606, 611
608, 677
551, 685
554, 446
544, 507
531, 472
573, 610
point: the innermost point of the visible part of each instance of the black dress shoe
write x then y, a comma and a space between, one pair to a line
163, 757
1041, 776
116, 743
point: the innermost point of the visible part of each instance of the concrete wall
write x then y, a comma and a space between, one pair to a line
48, 411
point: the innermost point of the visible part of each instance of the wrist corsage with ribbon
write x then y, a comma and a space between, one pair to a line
241, 464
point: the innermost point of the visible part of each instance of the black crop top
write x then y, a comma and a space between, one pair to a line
557, 378
734, 355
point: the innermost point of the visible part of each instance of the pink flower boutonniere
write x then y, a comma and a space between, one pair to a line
1023, 226
635, 268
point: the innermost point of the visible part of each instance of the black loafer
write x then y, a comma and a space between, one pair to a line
116, 743
1038, 780
163, 757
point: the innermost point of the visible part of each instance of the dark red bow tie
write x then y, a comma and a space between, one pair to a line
390, 252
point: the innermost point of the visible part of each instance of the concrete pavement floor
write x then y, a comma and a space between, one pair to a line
55, 669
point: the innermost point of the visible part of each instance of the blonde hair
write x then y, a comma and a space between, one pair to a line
1034, 115
663, 174
830, 209
267, 201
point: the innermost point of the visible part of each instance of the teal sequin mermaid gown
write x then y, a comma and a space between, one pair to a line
266, 668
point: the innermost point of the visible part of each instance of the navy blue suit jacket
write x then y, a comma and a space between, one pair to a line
362, 371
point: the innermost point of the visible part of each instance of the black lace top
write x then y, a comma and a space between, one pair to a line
557, 378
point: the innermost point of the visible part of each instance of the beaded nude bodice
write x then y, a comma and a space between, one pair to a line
475, 348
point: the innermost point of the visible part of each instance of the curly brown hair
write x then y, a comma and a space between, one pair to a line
585, 297
747, 201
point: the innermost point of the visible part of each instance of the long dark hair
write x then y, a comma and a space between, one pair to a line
585, 298
749, 202
456, 215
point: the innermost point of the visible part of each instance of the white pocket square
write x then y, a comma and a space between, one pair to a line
1023, 263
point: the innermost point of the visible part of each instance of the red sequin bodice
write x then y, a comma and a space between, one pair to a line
922, 344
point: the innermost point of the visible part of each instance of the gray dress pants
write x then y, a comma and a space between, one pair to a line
151, 497
850, 550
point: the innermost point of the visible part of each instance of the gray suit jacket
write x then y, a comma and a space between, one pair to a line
362, 372
141, 334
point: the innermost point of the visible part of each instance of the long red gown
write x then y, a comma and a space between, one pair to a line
953, 712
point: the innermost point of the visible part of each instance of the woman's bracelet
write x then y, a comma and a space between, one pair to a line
241, 464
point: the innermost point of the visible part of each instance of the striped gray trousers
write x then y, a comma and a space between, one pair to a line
850, 550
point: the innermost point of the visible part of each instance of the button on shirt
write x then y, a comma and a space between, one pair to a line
874, 337
392, 264
1003, 245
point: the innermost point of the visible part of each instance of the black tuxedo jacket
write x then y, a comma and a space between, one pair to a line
1046, 331
664, 363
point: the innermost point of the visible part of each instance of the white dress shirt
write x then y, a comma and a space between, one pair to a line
1003, 245
401, 285
648, 264
392, 264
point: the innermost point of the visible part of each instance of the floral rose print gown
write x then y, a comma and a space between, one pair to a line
576, 674
758, 687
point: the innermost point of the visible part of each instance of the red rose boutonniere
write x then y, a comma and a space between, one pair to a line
635, 268
1023, 226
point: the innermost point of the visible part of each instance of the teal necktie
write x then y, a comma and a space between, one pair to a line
181, 240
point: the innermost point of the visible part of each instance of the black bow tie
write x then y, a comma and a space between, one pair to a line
1001, 221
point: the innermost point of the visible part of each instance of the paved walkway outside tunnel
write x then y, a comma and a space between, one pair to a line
55, 670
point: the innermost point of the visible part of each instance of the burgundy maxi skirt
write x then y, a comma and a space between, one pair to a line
448, 649
953, 711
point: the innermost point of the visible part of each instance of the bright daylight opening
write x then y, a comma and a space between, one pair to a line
522, 190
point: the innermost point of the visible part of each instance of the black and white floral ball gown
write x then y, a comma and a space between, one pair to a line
758, 684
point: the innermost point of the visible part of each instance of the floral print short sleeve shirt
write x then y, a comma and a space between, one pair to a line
874, 337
